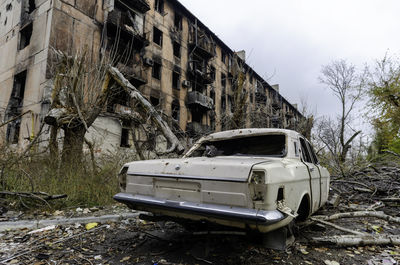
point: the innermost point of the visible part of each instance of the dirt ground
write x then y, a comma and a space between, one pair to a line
134, 241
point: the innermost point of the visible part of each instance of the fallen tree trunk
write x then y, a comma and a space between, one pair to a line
380, 215
160, 123
354, 240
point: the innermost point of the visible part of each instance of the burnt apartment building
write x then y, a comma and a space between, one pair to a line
166, 52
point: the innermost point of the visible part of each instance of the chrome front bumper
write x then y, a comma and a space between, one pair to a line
245, 215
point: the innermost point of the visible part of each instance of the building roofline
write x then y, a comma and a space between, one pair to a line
190, 15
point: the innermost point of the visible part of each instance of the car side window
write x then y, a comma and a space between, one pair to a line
304, 151
313, 155
296, 148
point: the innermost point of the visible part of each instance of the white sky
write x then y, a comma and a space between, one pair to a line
292, 39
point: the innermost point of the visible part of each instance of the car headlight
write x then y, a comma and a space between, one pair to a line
258, 177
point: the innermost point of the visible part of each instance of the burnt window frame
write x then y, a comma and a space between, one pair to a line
153, 101
156, 71
14, 108
124, 141
177, 49
175, 110
159, 6
25, 36
157, 36
223, 57
213, 72
176, 78
178, 18
223, 80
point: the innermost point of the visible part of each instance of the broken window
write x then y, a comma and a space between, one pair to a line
125, 137
154, 101
14, 108
212, 95
223, 103
212, 72
157, 36
25, 35
266, 145
177, 49
230, 102
178, 21
159, 6
304, 151
197, 116
29, 6
175, 80
223, 80
119, 96
223, 57
251, 97
156, 73
175, 110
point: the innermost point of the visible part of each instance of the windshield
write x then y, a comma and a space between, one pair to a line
264, 145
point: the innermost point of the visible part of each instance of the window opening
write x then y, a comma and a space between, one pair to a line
14, 108
175, 80
313, 155
125, 137
157, 36
264, 145
178, 21
32, 6
156, 72
196, 116
177, 49
159, 6
223, 57
175, 110
154, 101
223, 80
304, 151
25, 36
212, 72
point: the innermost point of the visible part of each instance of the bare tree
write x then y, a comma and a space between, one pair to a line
80, 94
343, 80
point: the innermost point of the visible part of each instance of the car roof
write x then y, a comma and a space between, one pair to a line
247, 132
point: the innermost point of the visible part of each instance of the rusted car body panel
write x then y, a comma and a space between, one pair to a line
219, 182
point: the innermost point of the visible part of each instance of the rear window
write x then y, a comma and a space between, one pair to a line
265, 145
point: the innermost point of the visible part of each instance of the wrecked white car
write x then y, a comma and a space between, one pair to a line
257, 179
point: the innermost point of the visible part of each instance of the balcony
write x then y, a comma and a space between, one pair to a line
196, 128
130, 27
276, 119
199, 73
196, 99
201, 43
134, 72
140, 5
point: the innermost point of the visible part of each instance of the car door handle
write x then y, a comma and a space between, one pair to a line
312, 169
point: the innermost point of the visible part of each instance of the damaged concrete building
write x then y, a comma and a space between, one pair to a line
166, 52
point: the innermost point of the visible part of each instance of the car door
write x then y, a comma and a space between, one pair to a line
318, 168
324, 176
315, 177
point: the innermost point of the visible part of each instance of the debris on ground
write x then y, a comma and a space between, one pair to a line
363, 207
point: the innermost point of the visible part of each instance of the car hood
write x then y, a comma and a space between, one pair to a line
232, 168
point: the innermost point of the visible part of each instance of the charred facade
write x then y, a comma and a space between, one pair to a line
175, 60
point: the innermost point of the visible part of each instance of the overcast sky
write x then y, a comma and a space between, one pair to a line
292, 39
